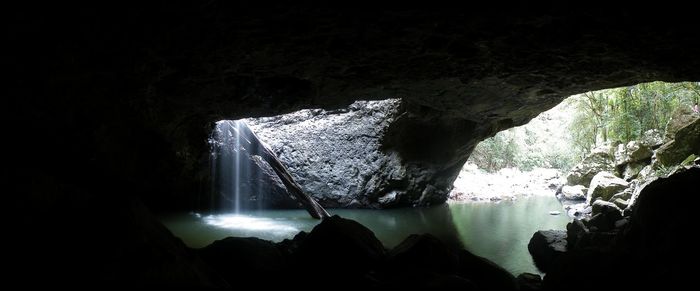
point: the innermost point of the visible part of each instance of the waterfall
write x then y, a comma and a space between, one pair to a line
230, 167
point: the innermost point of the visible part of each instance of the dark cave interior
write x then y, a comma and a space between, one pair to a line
110, 109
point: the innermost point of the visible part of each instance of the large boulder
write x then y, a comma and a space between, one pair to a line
422, 252
339, 157
659, 221
545, 246
686, 141
604, 185
680, 118
633, 151
340, 240
599, 160
576, 192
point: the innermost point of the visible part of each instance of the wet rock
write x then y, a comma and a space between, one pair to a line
657, 222
574, 231
545, 246
604, 185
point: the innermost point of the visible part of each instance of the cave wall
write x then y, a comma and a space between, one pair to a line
108, 101
131, 89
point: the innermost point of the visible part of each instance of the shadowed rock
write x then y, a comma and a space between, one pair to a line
546, 246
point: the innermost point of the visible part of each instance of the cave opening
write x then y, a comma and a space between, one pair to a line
338, 158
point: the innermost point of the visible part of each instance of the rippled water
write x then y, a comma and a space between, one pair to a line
497, 231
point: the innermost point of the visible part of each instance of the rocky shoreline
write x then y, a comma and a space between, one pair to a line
508, 184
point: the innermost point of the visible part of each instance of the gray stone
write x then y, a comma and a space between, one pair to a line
620, 203
632, 170
577, 192
338, 158
680, 118
624, 195
652, 138
646, 173
599, 160
604, 185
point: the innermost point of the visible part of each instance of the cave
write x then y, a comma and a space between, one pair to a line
125, 99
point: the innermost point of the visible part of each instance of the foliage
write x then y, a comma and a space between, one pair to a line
624, 114
495, 153
606, 116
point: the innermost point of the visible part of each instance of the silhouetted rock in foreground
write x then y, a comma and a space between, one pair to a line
342, 251
648, 249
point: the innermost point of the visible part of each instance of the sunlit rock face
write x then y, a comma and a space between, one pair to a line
339, 156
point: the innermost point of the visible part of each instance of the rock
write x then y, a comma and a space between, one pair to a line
423, 253
605, 214
604, 185
680, 118
257, 184
574, 231
554, 212
646, 173
576, 192
600, 206
341, 240
244, 260
658, 222
484, 273
652, 139
613, 271
339, 158
622, 222
624, 195
529, 282
599, 160
545, 246
632, 170
620, 203
633, 152
686, 141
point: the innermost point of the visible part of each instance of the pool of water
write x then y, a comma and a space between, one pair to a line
497, 231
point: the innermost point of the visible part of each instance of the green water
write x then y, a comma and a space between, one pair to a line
497, 231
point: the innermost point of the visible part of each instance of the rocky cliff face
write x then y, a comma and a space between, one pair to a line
338, 157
